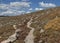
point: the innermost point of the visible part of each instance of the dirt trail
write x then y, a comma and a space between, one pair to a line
30, 37
13, 37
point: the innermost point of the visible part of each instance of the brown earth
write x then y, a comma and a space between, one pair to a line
48, 20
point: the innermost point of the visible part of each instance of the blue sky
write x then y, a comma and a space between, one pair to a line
16, 7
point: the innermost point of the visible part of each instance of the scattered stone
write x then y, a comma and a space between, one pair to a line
13, 37
42, 30
14, 26
30, 37
0, 37
40, 41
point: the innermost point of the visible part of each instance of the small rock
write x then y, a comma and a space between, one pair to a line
0, 37
42, 30
40, 41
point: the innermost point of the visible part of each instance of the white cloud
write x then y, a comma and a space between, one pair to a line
12, 12
38, 8
30, 9
3, 6
22, 4
47, 4
28, 12
14, 8
25, 0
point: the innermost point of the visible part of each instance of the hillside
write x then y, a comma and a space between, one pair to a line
36, 27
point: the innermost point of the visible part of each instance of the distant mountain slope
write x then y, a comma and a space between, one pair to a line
43, 28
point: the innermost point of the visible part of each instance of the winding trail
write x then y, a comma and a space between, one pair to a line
30, 37
13, 37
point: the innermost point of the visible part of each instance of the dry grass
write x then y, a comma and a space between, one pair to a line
53, 24
46, 19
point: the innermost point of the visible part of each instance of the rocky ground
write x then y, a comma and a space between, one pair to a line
37, 27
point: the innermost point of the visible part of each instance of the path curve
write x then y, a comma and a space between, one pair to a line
30, 37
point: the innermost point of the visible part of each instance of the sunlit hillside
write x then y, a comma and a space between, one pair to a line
36, 27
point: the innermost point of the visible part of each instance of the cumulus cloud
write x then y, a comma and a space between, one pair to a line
3, 6
15, 5
47, 4
22, 4
14, 8
25, 0
28, 12
12, 12
38, 8
30, 9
